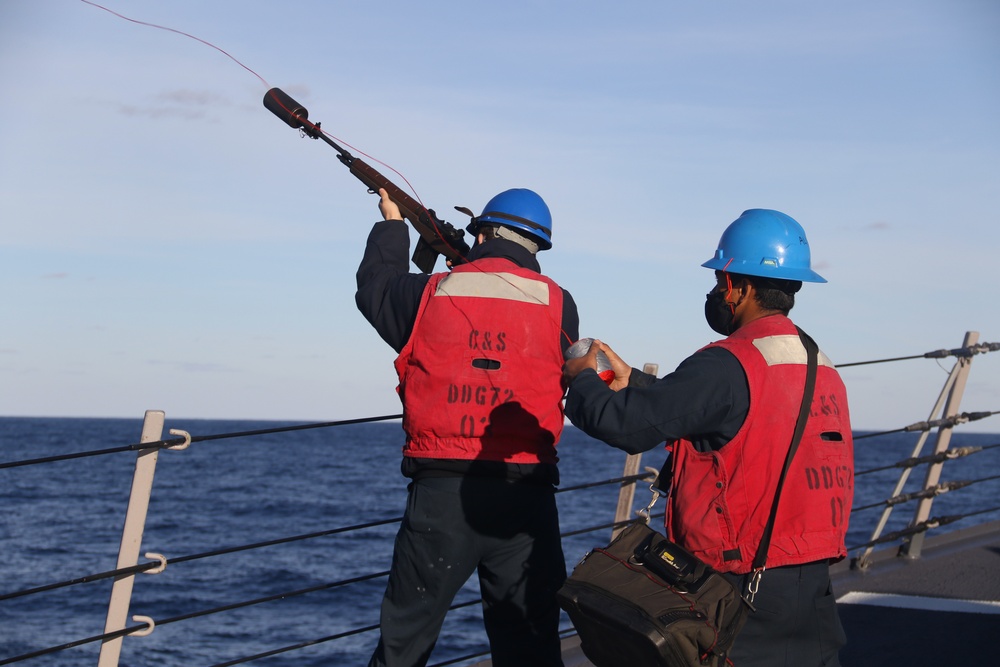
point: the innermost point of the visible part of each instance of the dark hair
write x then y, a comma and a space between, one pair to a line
773, 293
489, 232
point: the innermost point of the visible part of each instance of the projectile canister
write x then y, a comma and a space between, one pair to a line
285, 108
581, 348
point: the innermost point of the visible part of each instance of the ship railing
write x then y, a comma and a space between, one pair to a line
152, 442
944, 417
117, 625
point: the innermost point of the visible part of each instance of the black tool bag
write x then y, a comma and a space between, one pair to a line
643, 601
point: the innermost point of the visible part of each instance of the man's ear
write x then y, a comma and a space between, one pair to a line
745, 287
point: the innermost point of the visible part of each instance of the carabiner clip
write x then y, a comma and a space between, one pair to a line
754, 584
644, 512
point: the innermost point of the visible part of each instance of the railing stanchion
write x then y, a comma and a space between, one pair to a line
911, 548
627, 492
135, 523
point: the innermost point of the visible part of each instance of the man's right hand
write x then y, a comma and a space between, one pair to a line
574, 367
388, 207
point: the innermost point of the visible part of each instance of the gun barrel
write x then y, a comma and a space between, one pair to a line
284, 107
437, 237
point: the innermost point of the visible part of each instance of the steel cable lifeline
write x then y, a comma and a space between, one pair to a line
206, 612
321, 640
966, 352
613, 524
73, 644
628, 479
135, 569
930, 523
151, 565
352, 580
143, 567
935, 522
146, 566
947, 422
172, 442
947, 455
922, 527
564, 632
933, 492
959, 352
910, 462
182, 617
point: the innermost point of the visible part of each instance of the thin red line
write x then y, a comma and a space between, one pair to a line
259, 77
179, 32
268, 86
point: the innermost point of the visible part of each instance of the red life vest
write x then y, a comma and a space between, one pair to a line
481, 375
720, 500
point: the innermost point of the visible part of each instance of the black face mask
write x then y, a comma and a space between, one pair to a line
718, 313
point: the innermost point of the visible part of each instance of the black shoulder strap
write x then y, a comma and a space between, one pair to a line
812, 362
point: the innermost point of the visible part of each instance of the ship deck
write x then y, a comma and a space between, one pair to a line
940, 609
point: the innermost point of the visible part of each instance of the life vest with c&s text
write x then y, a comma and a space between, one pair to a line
480, 376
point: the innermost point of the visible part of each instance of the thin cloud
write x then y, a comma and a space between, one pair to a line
198, 98
161, 112
181, 103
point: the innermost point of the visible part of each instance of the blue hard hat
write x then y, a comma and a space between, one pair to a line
519, 209
765, 243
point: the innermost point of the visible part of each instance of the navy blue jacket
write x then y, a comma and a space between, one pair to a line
705, 400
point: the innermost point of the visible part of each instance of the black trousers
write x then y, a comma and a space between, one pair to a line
453, 527
796, 623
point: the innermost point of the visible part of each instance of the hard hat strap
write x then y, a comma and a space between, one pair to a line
513, 218
729, 290
511, 235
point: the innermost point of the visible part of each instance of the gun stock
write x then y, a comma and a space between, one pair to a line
437, 237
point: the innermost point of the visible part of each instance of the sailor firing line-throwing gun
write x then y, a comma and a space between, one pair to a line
437, 237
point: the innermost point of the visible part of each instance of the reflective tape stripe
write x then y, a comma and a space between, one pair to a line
494, 286
786, 350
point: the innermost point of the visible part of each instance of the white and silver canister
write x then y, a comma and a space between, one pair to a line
581, 348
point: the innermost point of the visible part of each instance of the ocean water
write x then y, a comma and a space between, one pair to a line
63, 520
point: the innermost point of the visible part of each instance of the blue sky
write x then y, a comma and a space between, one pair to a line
169, 244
